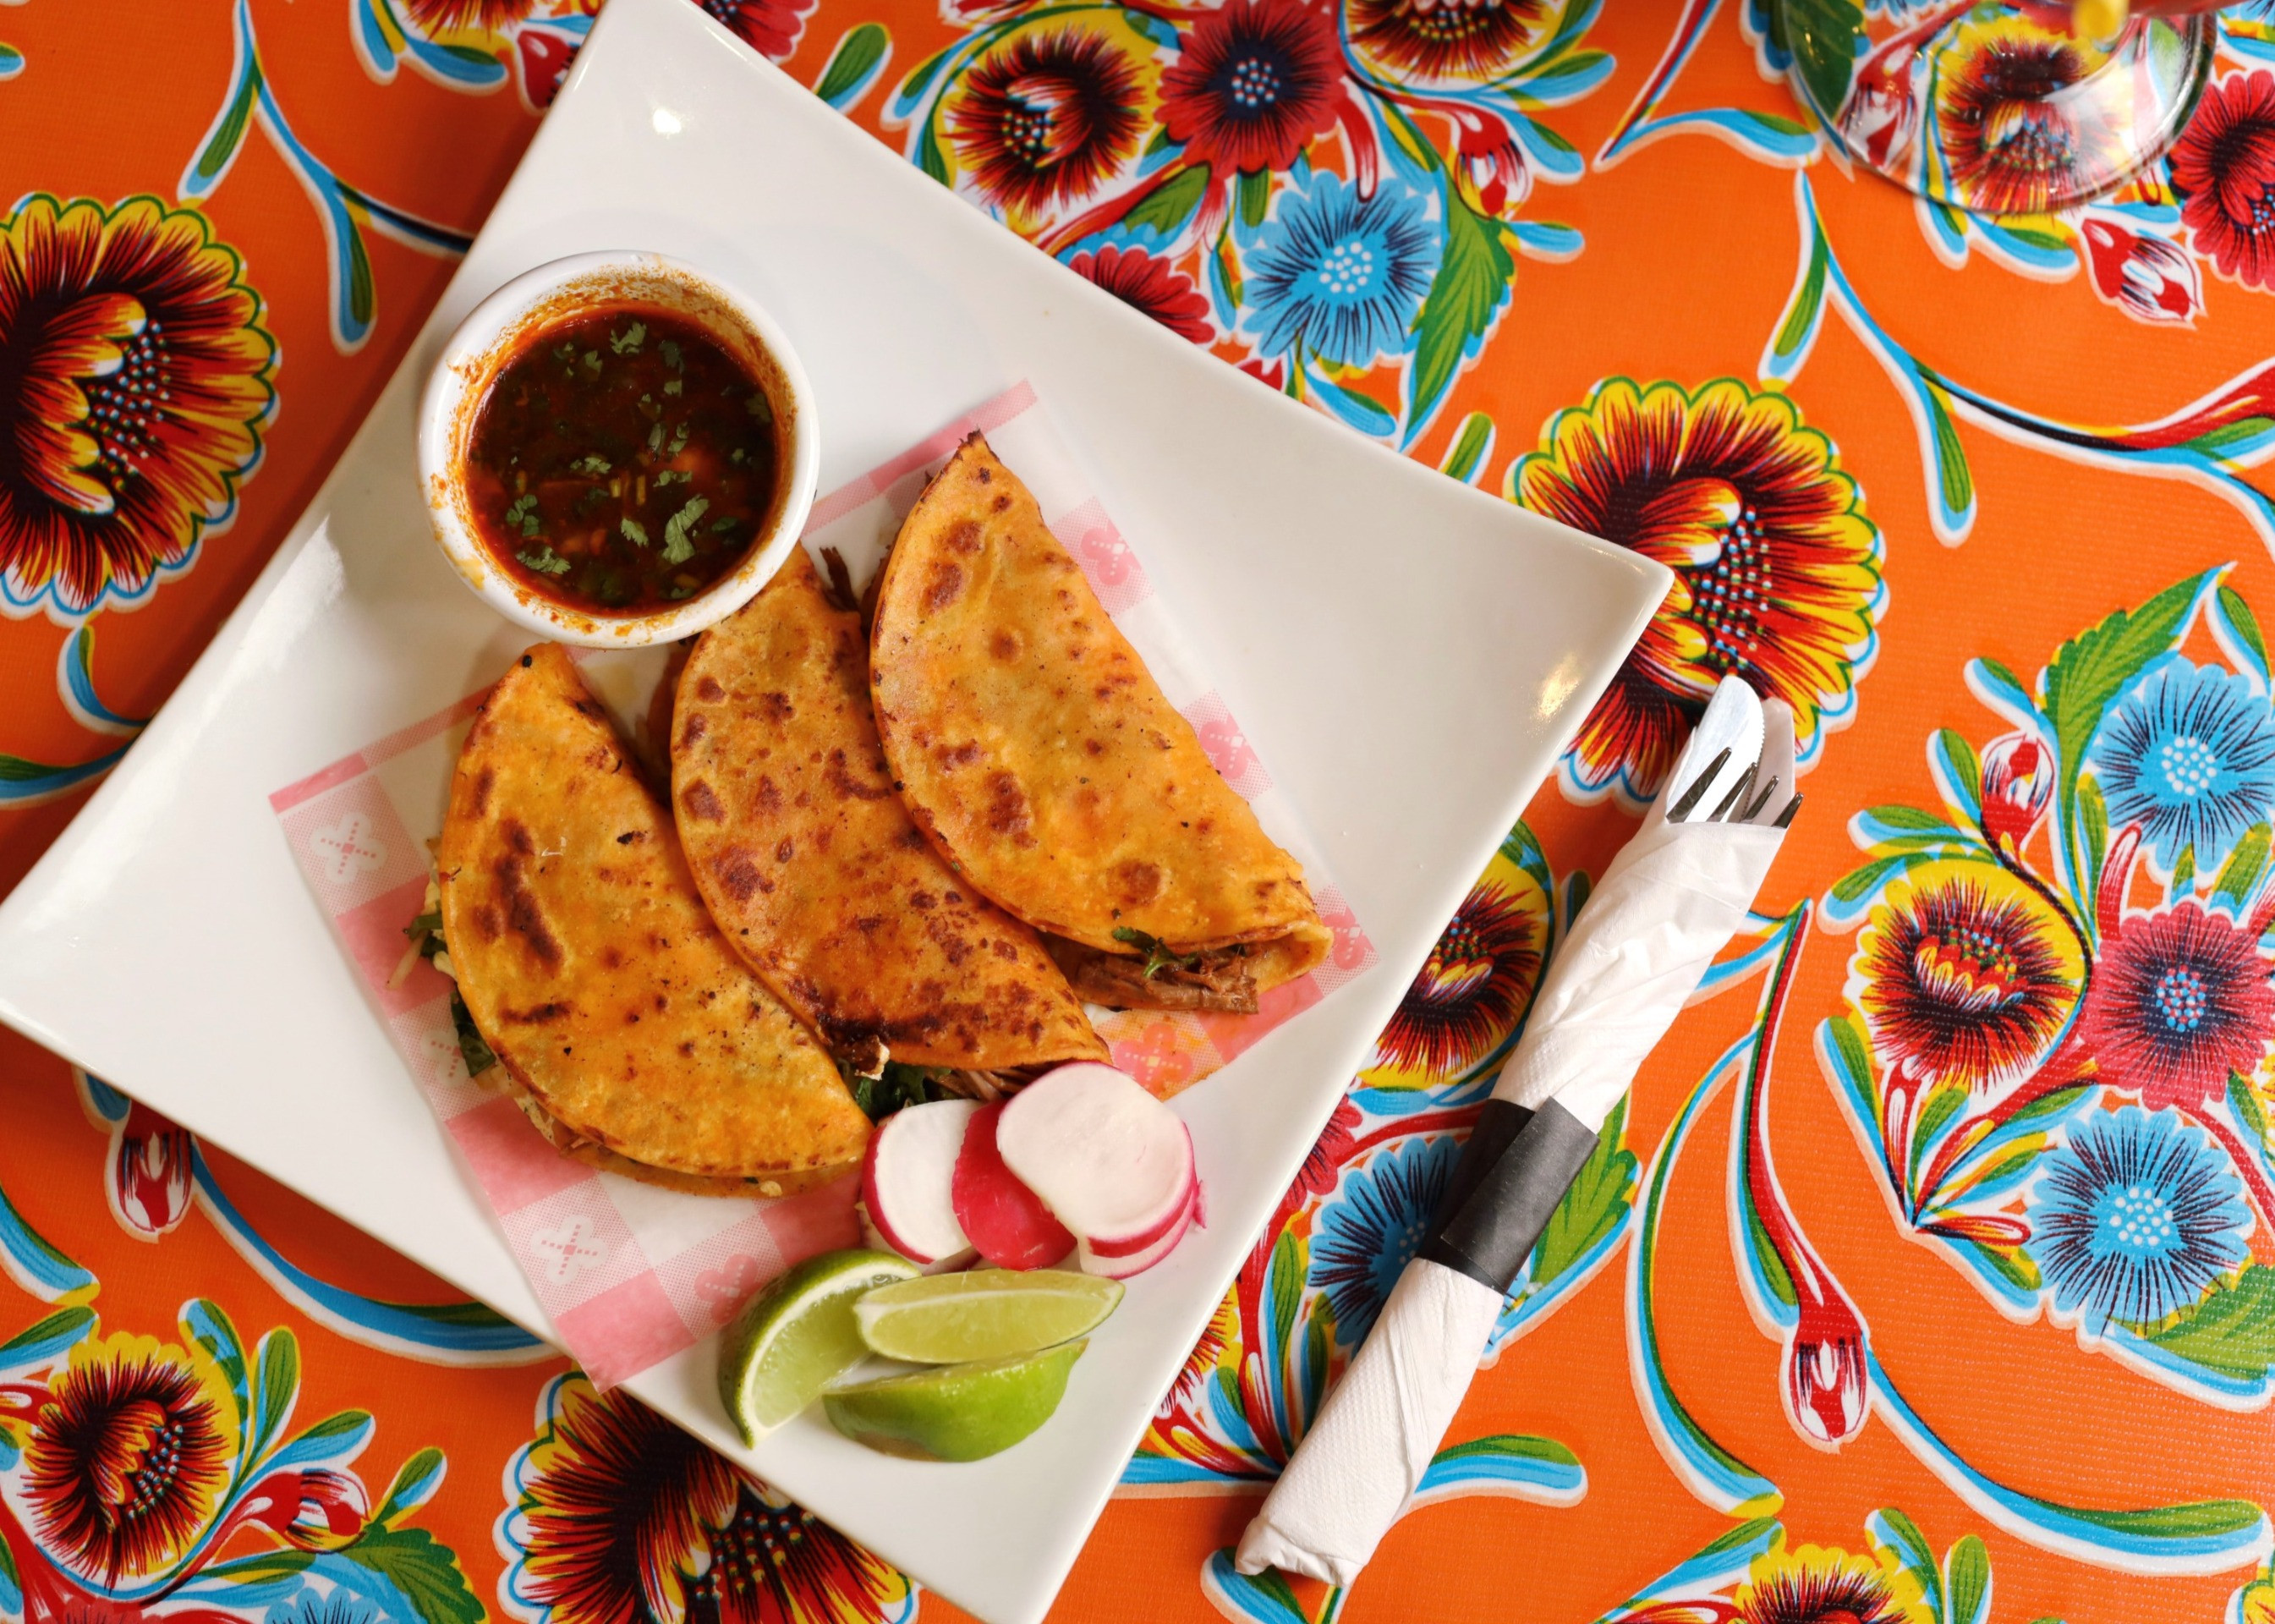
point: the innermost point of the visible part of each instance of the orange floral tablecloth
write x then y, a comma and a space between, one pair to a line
1977, 1324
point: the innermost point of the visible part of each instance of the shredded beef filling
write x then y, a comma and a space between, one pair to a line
1219, 980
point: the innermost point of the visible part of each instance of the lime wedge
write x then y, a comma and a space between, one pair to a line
949, 1319
798, 1336
958, 1412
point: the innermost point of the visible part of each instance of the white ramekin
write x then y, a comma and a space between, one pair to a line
489, 337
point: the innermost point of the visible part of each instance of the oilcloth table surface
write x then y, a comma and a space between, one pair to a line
1929, 1278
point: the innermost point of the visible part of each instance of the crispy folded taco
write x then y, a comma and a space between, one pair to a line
813, 871
589, 965
1038, 754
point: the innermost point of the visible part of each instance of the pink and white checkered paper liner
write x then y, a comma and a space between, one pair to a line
630, 1273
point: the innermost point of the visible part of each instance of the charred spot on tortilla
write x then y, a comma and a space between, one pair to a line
1091, 805
839, 588
737, 873
947, 582
1140, 881
532, 1018
700, 802
791, 759
523, 916
576, 928
841, 779
1008, 810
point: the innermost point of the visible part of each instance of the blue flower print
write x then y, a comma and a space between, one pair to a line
2135, 1218
1369, 1230
2189, 755
1342, 274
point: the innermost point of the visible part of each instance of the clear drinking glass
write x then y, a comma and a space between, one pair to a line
2003, 108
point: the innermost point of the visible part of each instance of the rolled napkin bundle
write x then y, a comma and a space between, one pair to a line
1665, 908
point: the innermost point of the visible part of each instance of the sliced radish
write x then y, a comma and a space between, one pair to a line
1113, 1163
1137, 1263
1177, 1218
907, 1183
1002, 1217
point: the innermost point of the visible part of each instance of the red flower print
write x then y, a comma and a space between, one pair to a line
1221, 1332
2018, 780
2179, 999
1777, 568
1150, 285
1258, 79
546, 58
2224, 168
2147, 276
627, 1519
433, 16
328, 1508
1472, 41
1326, 1157
1961, 986
771, 26
1047, 119
2023, 125
148, 1176
133, 376
1469, 990
126, 1466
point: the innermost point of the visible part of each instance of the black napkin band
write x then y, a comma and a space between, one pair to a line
1505, 1205
1498, 1124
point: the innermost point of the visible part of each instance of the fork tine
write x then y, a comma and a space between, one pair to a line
1681, 810
1747, 814
1791, 807
1737, 793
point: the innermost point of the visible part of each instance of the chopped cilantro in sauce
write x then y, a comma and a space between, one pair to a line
622, 461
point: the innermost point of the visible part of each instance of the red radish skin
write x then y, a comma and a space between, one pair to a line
1123, 1268
907, 1183
1111, 1163
1005, 1220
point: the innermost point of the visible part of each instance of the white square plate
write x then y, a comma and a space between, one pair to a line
1408, 655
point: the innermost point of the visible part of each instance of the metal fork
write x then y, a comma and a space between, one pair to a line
1734, 801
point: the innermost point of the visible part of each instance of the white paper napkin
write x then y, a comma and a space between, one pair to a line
1665, 907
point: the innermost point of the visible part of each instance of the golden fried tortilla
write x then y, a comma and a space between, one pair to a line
590, 966
1038, 755
813, 871
600, 1157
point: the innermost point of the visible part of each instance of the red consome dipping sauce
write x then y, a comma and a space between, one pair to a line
622, 461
